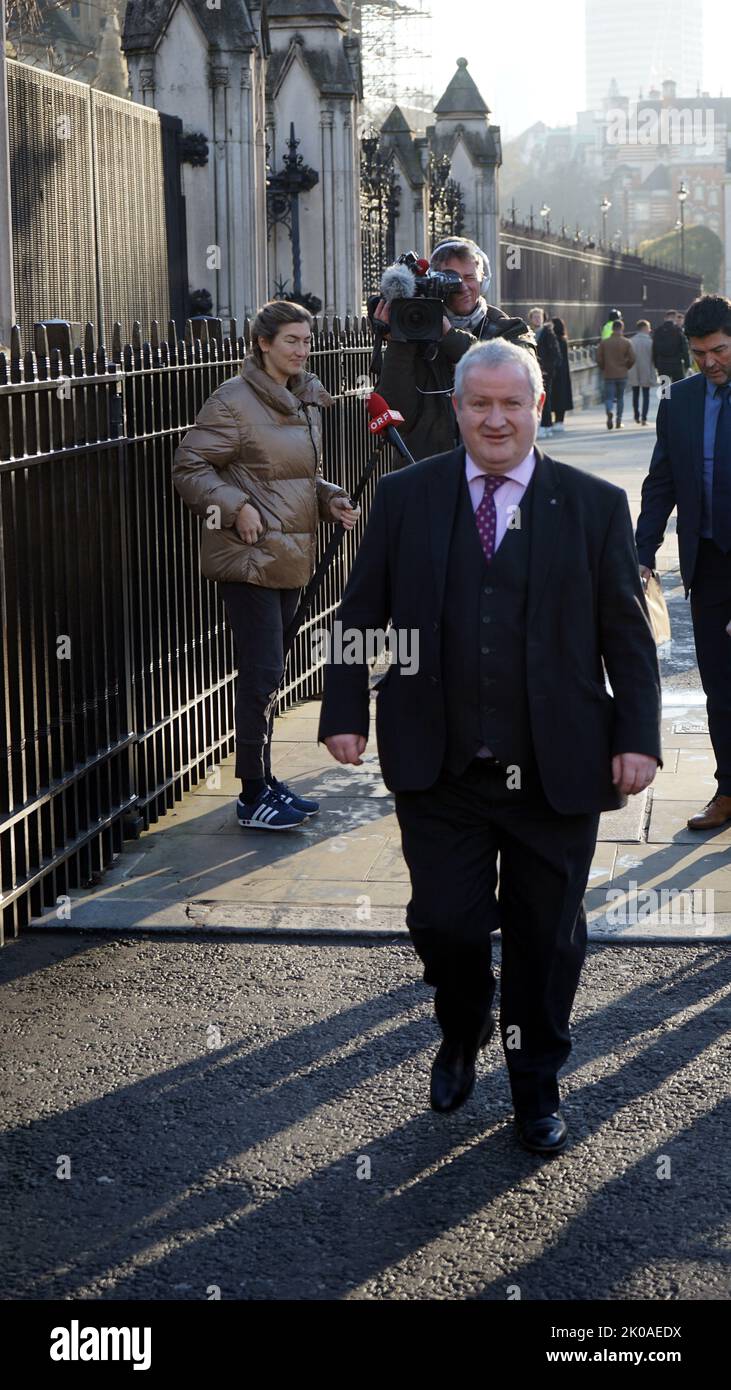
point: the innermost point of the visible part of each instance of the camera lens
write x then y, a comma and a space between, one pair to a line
416, 320
416, 317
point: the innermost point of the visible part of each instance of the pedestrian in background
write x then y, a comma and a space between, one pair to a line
562, 395
670, 351
549, 361
642, 374
614, 316
250, 465
690, 471
614, 358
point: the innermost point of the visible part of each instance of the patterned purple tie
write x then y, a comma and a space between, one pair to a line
486, 516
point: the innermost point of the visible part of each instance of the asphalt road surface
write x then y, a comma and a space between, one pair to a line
252, 1117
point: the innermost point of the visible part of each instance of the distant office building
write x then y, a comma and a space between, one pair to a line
639, 46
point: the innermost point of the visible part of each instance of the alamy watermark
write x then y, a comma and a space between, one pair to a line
354, 646
672, 125
664, 906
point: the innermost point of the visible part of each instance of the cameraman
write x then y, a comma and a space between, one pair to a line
417, 379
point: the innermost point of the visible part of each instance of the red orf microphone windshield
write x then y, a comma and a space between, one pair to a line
381, 414
382, 421
422, 267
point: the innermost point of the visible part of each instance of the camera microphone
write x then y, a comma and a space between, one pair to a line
382, 421
397, 283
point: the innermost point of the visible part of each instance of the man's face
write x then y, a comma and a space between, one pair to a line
713, 355
465, 301
498, 417
535, 319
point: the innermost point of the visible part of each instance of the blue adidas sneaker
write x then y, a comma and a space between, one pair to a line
268, 812
290, 798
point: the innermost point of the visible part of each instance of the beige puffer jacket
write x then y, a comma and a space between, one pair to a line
255, 441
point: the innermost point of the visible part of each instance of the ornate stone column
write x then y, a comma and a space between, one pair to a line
218, 79
327, 163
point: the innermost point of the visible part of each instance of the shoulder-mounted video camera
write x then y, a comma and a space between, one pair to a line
416, 296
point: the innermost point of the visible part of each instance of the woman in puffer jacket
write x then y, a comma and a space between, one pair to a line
250, 465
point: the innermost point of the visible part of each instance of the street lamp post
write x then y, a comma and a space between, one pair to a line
604, 207
545, 213
682, 197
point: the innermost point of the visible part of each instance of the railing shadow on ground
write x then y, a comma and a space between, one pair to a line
186, 1203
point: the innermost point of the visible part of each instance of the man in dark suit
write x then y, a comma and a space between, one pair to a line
690, 469
520, 576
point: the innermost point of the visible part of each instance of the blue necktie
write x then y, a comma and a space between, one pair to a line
721, 496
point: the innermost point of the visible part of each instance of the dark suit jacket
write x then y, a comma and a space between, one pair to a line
585, 603
675, 478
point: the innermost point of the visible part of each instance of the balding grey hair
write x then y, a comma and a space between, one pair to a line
498, 353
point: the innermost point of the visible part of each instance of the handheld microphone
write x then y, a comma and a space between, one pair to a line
382, 421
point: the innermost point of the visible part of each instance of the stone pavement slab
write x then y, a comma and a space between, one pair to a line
343, 872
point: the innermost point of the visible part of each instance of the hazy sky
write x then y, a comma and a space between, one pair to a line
527, 56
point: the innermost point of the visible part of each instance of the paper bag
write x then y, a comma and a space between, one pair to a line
658, 609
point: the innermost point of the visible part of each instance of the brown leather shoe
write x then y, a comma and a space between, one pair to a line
716, 813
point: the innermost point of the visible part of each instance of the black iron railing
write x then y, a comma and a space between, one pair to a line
119, 670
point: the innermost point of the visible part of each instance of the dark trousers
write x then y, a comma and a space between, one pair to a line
710, 602
645, 401
259, 618
452, 834
546, 420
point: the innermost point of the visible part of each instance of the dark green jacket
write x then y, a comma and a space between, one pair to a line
417, 379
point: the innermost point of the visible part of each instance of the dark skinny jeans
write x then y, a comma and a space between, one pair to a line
259, 618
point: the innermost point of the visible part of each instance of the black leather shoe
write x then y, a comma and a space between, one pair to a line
453, 1071
545, 1136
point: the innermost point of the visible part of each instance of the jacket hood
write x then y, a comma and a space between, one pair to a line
304, 387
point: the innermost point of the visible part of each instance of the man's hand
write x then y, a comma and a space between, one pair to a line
382, 312
249, 524
346, 748
632, 772
341, 510
645, 573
